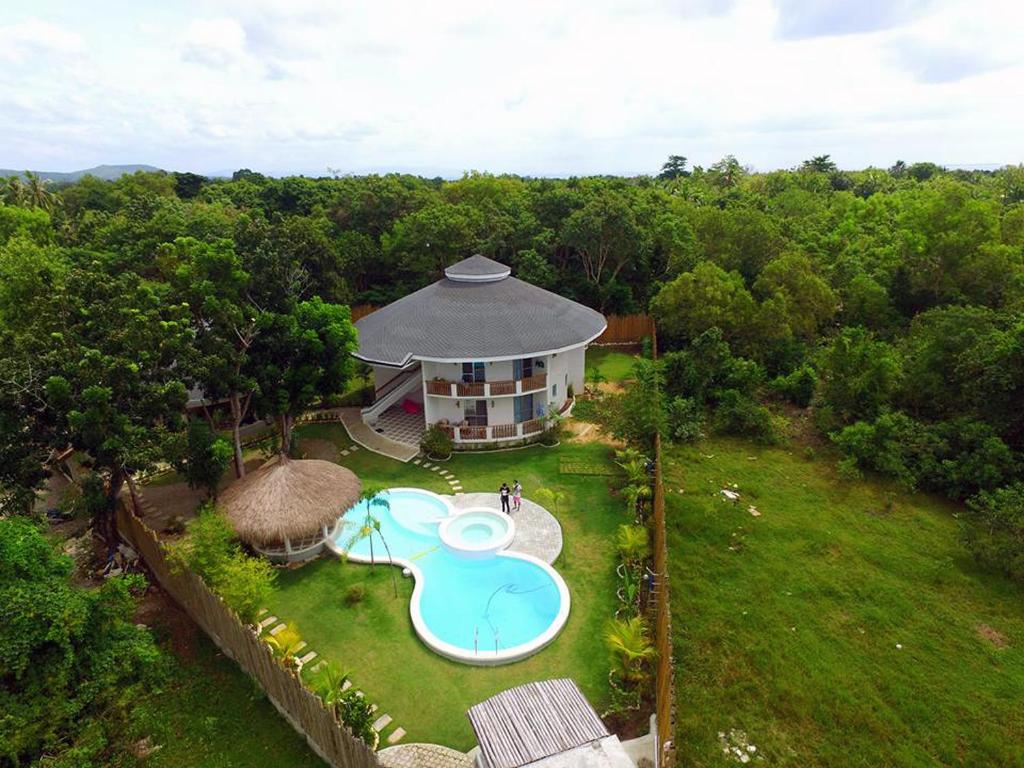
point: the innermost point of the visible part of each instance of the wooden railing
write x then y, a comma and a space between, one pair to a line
472, 433
533, 426
441, 387
500, 431
502, 387
448, 388
470, 389
537, 381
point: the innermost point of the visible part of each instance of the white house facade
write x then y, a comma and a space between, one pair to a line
483, 354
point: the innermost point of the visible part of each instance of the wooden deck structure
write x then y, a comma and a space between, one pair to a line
531, 722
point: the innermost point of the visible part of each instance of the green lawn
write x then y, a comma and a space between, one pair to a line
426, 694
844, 626
614, 363
211, 714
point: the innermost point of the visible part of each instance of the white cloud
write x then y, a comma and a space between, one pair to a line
531, 87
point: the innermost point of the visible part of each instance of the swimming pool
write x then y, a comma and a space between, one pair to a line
474, 606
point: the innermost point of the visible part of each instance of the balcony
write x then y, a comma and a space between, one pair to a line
487, 389
495, 432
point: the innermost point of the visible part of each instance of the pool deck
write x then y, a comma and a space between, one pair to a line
538, 533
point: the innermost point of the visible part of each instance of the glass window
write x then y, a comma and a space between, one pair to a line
475, 413
554, 390
472, 372
523, 408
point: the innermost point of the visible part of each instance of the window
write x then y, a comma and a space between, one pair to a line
472, 372
475, 413
554, 390
522, 369
523, 408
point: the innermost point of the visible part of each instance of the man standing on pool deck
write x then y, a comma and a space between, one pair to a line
517, 495
503, 492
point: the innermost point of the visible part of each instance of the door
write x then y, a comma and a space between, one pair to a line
522, 406
522, 369
475, 412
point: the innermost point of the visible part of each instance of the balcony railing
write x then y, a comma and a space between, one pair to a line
493, 432
446, 388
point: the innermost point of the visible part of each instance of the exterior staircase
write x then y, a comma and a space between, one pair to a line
393, 392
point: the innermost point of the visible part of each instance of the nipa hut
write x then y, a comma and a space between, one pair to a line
287, 508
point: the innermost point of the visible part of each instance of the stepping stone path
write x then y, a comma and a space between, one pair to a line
380, 725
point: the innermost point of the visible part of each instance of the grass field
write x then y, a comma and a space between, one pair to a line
211, 714
614, 363
426, 694
844, 626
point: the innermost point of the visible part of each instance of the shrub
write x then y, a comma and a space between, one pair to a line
355, 397
738, 414
436, 443
585, 410
73, 663
210, 550
993, 529
633, 543
796, 387
685, 419
355, 594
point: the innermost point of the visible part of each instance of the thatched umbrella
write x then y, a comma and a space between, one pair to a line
288, 499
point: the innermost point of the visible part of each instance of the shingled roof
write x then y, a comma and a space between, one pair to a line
530, 722
478, 311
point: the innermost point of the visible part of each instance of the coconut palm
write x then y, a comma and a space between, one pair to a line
374, 498
634, 544
631, 647
37, 194
549, 497
285, 644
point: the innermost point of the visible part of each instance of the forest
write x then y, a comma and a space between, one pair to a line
881, 309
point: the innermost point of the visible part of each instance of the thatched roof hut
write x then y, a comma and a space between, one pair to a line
289, 499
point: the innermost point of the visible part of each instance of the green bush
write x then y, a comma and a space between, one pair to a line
436, 443
72, 660
355, 594
993, 529
355, 397
796, 387
201, 456
685, 419
585, 410
210, 550
740, 415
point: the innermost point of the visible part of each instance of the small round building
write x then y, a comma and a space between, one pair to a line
483, 354
287, 508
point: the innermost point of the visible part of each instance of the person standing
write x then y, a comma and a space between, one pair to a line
517, 495
504, 493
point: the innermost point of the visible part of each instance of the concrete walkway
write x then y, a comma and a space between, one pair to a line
364, 434
538, 533
423, 756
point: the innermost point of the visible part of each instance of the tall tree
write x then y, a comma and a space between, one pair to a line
674, 167
299, 358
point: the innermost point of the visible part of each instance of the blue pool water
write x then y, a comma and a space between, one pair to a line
476, 605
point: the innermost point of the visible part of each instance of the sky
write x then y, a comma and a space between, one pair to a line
536, 88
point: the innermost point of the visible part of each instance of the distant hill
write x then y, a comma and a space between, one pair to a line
105, 172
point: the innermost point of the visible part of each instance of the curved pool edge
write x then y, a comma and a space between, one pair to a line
453, 652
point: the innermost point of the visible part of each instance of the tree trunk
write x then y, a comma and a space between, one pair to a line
105, 524
238, 412
286, 422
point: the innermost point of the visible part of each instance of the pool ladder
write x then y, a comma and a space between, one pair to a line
476, 639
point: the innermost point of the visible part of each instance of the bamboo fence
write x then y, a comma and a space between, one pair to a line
306, 713
664, 706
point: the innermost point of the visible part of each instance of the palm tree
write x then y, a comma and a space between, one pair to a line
549, 497
634, 544
37, 194
285, 644
631, 647
14, 192
374, 497
329, 685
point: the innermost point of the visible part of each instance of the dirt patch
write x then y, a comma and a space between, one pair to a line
589, 432
998, 639
314, 448
171, 624
611, 387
